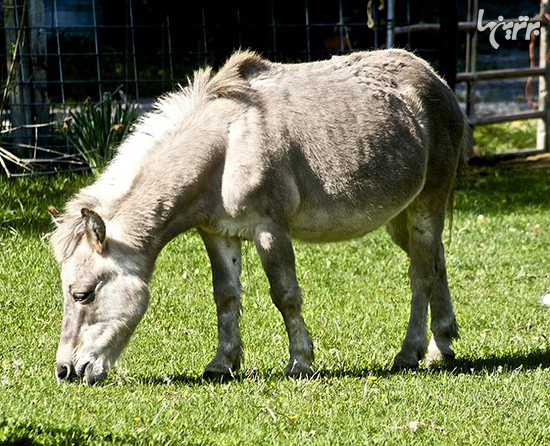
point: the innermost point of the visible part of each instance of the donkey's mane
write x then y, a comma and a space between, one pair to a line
149, 133
231, 81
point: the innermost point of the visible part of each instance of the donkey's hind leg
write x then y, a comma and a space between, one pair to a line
414, 344
444, 327
225, 258
418, 232
274, 247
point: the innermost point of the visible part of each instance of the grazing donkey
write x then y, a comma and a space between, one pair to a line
262, 151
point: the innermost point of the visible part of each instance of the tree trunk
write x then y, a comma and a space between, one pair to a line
26, 86
38, 64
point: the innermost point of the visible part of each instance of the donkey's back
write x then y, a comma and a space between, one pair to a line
337, 148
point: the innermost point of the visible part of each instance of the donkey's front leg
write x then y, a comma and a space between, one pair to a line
225, 258
277, 255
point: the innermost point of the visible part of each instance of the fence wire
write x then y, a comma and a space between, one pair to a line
58, 53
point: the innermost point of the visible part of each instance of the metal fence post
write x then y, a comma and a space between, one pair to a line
38, 63
390, 23
543, 135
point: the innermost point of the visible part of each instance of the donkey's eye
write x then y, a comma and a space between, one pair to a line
82, 297
86, 296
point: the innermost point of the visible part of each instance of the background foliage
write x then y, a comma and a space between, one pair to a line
96, 130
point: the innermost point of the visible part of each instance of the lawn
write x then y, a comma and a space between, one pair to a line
356, 305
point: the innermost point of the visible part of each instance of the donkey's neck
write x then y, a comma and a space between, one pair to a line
155, 188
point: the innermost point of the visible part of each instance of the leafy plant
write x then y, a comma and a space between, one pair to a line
505, 137
96, 130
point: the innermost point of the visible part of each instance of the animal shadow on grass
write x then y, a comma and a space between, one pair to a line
508, 362
461, 366
199, 379
30, 433
181, 379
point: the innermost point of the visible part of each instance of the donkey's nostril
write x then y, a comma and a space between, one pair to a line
63, 372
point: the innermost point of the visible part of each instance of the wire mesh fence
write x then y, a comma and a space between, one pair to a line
59, 53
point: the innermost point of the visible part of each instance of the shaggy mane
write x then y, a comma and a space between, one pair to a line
232, 81
233, 78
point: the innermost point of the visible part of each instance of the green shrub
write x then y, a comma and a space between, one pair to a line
95, 131
505, 137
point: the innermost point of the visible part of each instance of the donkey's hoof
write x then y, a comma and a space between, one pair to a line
404, 362
218, 372
396, 368
299, 371
217, 376
439, 359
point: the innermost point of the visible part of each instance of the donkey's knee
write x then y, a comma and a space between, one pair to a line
287, 299
228, 298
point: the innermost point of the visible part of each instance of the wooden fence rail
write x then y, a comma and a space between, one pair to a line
471, 77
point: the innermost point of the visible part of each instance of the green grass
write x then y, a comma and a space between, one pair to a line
356, 305
505, 137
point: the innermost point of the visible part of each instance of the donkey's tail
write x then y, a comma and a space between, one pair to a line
464, 154
461, 169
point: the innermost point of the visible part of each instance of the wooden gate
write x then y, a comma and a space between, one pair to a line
472, 77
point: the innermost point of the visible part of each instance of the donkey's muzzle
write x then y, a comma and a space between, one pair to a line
64, 372
68, 372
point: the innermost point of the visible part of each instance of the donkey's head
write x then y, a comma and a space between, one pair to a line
105, 295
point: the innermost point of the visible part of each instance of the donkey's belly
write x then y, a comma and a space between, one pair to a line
350, 209
322, 225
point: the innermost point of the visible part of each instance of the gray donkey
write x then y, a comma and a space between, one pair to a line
321, 152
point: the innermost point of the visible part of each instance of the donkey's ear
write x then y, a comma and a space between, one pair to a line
95, 229
56, 216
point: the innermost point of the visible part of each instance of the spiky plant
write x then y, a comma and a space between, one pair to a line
96, 130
